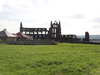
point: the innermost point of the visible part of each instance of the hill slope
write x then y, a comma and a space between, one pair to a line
61, 59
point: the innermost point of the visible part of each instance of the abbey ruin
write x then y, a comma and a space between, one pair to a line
54, 33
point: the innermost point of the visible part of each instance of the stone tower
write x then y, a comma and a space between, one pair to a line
87, 37
55, 31
21, 27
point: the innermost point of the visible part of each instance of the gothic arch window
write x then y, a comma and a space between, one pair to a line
35, 32
31, 32
54, 30
55, 26
39, 32
54, 35
27, 32
43, 32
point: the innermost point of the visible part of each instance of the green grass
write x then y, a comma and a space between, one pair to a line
61, 59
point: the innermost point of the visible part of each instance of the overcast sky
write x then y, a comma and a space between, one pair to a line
76, 16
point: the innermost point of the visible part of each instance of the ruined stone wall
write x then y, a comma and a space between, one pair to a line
34, 42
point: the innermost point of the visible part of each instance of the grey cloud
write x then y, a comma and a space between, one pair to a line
96, 19
23, 6
1, 25
96, 26
80, 16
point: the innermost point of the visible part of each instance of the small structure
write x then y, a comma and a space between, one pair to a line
7, 36
70, 38
87, 37
21, 36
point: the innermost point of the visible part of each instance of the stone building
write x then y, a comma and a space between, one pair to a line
87, 37
36, 33
11, 37
54, 33
7, 36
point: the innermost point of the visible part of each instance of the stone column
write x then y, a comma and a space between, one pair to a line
87, 37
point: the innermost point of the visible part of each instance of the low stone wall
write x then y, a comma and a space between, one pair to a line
33, 42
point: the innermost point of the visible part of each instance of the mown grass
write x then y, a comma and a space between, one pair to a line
61, 59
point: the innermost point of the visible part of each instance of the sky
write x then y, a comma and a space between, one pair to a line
76, 16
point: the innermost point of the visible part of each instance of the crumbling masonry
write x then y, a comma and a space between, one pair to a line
54, 33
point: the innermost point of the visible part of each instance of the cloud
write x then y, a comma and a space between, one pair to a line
96, 20
16, 10
78, 16
11, 26
2, 2
74, 14
19, 4
41, 1
96, 26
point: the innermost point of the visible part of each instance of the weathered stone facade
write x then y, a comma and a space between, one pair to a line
54, 33
36, 33
87, 38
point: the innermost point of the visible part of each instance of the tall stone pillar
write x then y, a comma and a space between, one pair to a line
87, 37
21, 27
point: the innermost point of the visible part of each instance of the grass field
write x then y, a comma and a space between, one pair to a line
61, 59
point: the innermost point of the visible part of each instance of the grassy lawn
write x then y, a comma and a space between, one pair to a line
61, 59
